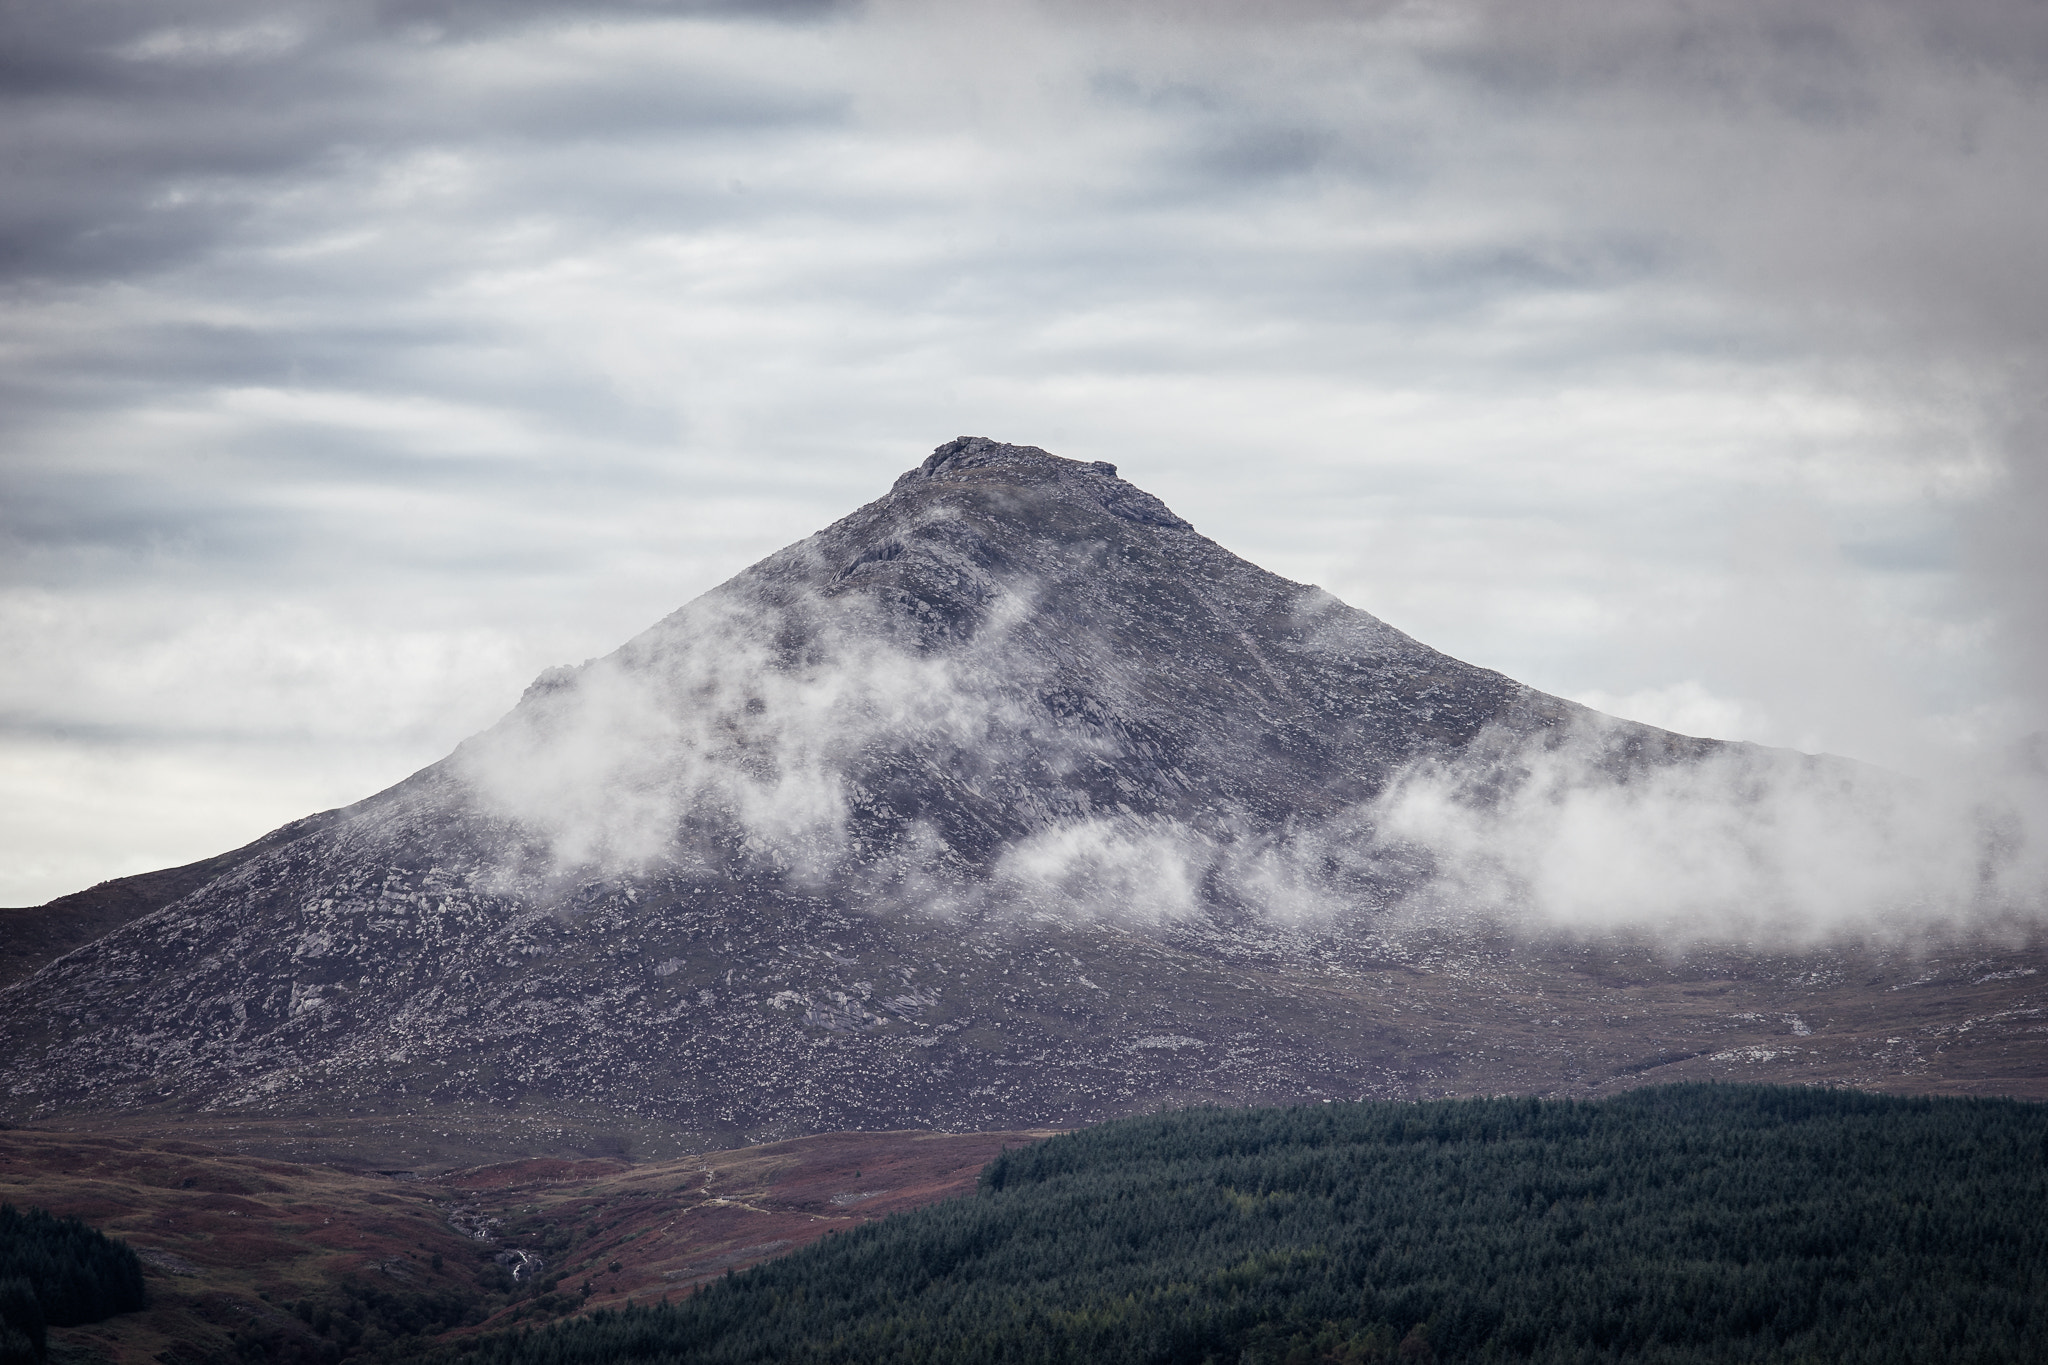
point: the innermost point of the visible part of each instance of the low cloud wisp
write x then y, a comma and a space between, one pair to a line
766, 729
1747, 845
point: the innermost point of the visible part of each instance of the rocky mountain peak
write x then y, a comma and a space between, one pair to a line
1014, 679
971, 460
1006, 799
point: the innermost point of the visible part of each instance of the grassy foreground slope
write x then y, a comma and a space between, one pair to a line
250, 1259
1680, 1224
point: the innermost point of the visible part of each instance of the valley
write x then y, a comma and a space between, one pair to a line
251, 1257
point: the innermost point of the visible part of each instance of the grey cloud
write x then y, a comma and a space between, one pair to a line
471, 17
1257, 153
1508, 319
1749, 845
1811, 61
1876, 148
1869, 175
137, 139
2010, 562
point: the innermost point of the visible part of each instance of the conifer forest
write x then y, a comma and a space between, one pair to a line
1682, 1225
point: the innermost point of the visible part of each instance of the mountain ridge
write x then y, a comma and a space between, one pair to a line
1006, 800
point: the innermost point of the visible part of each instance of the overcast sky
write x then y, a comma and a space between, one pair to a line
361, 361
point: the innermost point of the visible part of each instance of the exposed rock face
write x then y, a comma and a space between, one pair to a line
1008, 799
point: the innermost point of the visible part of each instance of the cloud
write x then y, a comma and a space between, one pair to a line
1130, 871
141, 145
1748, 845
744, 726
540, 319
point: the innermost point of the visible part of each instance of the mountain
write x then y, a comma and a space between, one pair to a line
1007, 800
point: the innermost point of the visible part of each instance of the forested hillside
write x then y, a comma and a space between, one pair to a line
57, 1272
1680, 1224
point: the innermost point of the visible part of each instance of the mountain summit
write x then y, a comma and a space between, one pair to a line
1007, 799
1015, 679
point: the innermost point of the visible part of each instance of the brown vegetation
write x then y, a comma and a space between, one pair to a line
278, 1260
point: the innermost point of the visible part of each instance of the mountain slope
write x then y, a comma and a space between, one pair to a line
32, 935
1006, 800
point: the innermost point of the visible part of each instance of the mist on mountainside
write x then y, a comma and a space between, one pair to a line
749, 723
